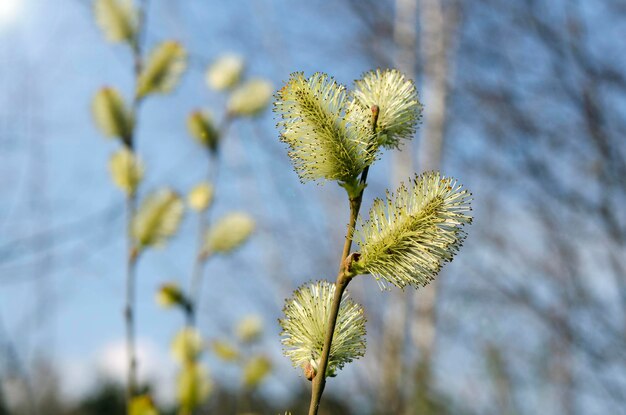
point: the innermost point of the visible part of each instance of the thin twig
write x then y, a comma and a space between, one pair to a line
131, 207
203, 225
131, 268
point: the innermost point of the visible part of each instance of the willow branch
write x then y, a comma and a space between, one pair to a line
343, 279
131, 207
203, 226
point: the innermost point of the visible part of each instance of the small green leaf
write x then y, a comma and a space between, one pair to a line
229, 233
158, 218
163, 69
126, 170
111, 115
250, 99
117, 19
225, 72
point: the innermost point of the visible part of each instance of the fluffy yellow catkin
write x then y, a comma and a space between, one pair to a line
305, 322
322, 145
410, 235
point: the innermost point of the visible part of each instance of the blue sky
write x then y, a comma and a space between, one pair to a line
54, 182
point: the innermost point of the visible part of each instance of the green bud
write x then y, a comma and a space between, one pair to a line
169, 295
163, 69
250, 99
201, 127
225, 350
225, 72
111, 115
126, 170
158, 218
201, 197
249, 329
229, 233
117, 19
256, 370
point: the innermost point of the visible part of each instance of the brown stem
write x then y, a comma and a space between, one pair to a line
343, 279
319, 381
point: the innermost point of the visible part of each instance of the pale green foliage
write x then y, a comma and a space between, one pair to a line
111, 115
201, 196
304, 327
126, 170
201, 127
323, 145
193, 387
187, 345
225, 72
163, 69
409, 236
396, 98
158, 218
249, 329
229, 233
117, 19
255, 371
142, 405
250, 99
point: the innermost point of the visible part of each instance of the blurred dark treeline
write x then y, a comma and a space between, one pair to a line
109, 398
525, 103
